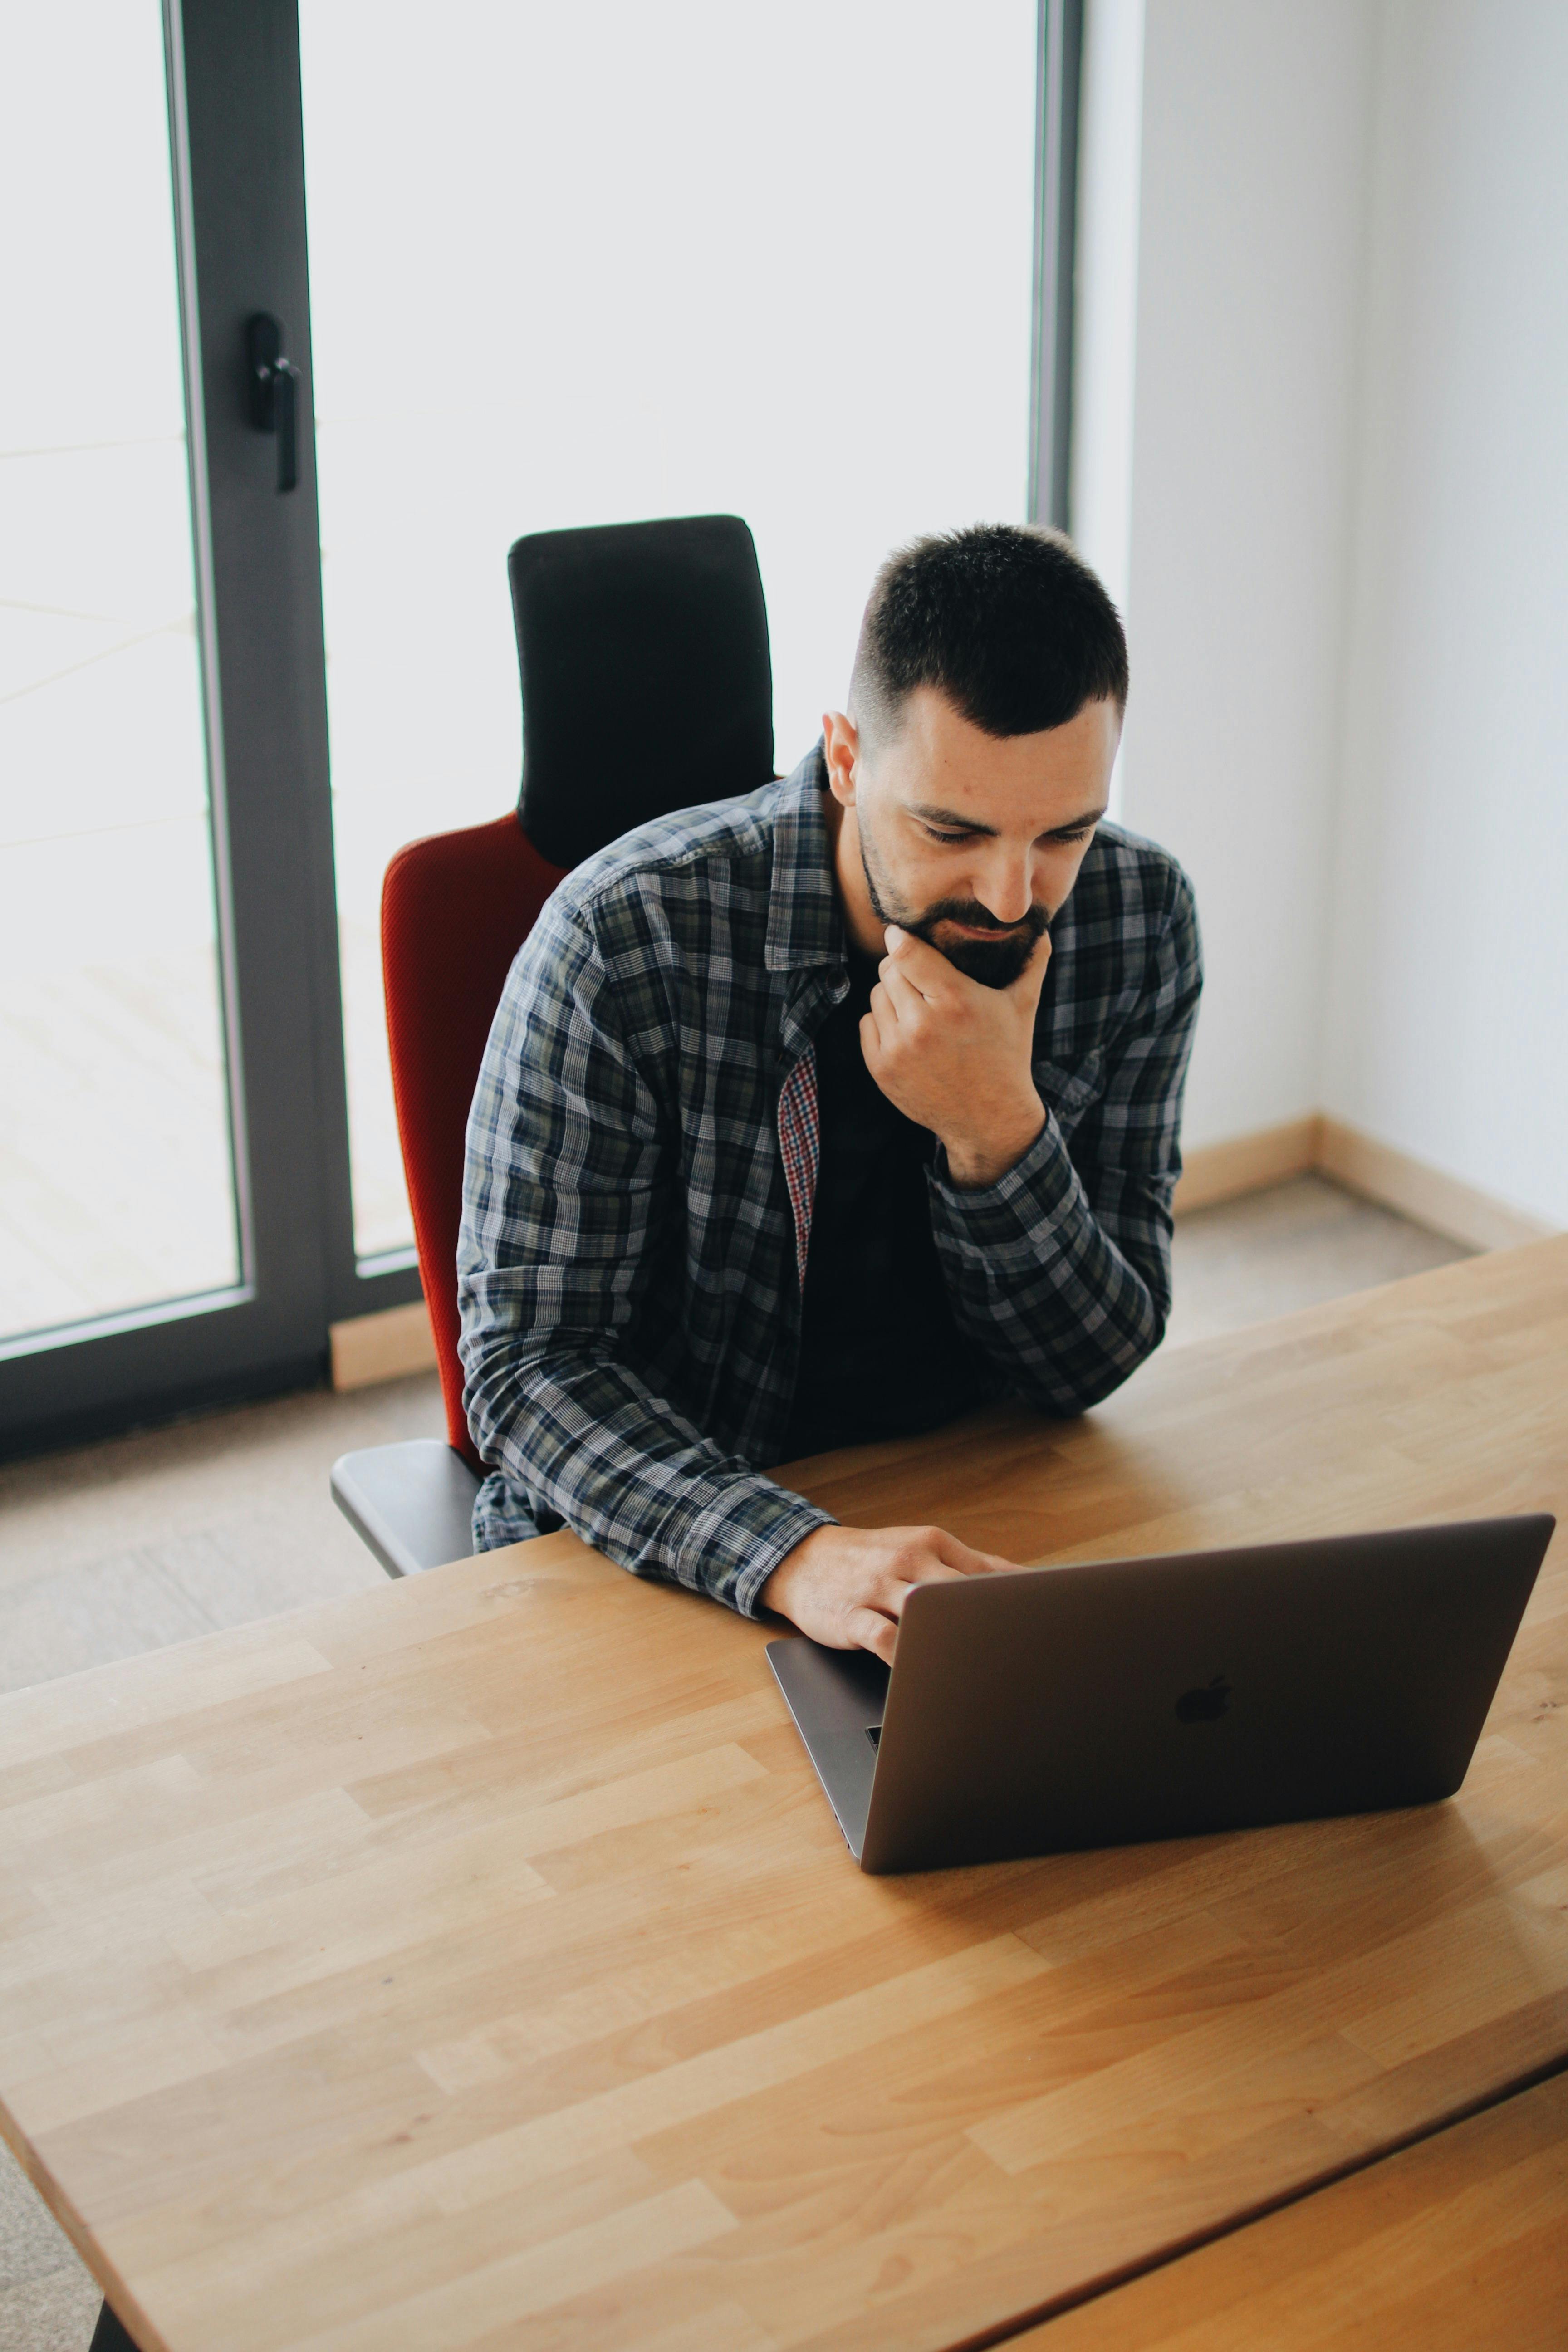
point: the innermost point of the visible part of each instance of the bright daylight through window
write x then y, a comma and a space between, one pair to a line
116, 1184
589, 265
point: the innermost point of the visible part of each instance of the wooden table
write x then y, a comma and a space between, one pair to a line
475, 1962
1458, 2244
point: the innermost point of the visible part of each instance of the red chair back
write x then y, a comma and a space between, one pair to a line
455, 909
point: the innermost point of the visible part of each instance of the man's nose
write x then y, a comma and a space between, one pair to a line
1007, 890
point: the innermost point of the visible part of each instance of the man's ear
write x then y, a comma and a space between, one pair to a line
840, 749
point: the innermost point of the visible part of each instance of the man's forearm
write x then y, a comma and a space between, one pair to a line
579, 1432
1040, 1282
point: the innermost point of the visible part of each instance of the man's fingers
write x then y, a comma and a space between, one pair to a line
943, 1560
928, 1570
925, 968
962, 1559
870, 1630
989, 1559
849, 1587
899, 990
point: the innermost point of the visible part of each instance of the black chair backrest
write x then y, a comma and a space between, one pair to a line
647, 680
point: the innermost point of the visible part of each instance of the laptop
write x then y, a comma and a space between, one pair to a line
1033, 1710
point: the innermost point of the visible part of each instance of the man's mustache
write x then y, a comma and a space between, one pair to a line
977, 918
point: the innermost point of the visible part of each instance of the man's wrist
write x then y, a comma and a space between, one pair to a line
976, 1162
774, 1590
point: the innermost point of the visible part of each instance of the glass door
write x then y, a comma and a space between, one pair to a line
117, 1172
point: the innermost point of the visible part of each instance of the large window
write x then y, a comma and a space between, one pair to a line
116, 1173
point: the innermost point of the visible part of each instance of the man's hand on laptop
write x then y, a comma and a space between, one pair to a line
846, 1587
955, 1056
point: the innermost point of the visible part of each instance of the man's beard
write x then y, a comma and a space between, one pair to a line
995, 963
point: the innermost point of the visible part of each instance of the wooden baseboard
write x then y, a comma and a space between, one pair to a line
1395, 1179
1423, 1193
385, 1346
1224, 1172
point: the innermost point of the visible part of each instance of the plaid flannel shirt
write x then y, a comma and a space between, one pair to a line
642, 1159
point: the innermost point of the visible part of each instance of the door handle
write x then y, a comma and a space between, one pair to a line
274, 392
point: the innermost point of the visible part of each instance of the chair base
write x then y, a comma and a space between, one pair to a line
413, 1504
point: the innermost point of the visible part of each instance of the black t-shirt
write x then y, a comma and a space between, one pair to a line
880, 1354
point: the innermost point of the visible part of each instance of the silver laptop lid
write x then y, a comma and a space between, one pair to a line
1115, 1701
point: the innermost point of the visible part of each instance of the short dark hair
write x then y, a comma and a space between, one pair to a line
1006, 620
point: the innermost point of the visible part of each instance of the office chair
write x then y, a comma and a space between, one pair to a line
647, 687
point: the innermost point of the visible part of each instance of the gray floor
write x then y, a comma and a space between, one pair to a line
1289, 1247
147, 1540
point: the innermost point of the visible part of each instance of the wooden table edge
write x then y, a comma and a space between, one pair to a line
1300, 2193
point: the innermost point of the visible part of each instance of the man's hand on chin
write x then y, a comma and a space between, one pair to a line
956, 1056
847, 1587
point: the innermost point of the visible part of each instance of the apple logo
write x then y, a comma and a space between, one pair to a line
1205, 1705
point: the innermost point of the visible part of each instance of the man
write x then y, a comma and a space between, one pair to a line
829, 1112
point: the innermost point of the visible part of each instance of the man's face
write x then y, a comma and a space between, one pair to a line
969, 840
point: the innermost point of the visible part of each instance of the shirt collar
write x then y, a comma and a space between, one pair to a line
805, 923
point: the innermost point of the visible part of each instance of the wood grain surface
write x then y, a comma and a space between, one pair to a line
1458, 2244
475, 1962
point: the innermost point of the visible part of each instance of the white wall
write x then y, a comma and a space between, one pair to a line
1251, 212
1446, 984
1346, 554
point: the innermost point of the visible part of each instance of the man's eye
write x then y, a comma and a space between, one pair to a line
936, 835
1084, 832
